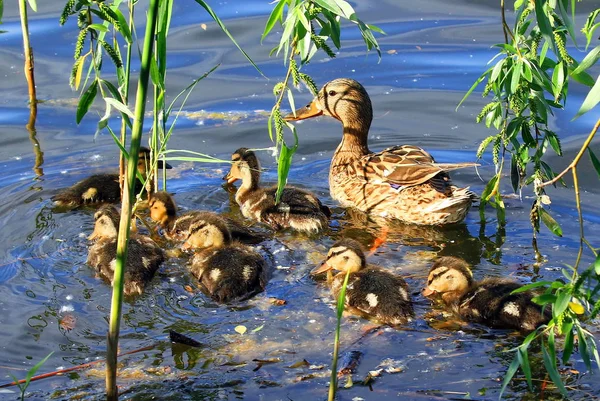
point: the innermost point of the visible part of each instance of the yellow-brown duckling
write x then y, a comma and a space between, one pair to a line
144, 256
103, 188
298, 209
164, 211
402, 182
487, 302
371, 292
228, 270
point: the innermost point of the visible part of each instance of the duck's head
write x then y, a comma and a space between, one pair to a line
144, 160
346, 255
208, 232
107, 223
449, 277
344, 99
162, 208
245, 167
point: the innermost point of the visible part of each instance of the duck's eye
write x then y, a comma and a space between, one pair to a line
332, 93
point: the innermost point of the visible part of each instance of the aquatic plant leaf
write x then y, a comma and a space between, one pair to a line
591, 100
595, 161
550, 222
35, 368
85, 101
33, 5
226, 31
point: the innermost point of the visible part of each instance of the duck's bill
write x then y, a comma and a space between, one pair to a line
308, 111
229, 178
94, 235
427, 292
322, 269
163, 165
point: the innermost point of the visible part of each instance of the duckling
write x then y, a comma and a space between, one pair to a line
371, 292
227, 270
402, 182
164, 211
488, 302
143, 257
103, 188
299, 209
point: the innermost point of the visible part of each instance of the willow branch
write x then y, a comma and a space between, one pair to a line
575, 161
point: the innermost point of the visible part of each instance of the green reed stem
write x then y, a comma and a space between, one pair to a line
127, 69
336, 344
124, 226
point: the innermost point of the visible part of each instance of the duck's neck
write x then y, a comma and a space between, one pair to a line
249, 185
354, 142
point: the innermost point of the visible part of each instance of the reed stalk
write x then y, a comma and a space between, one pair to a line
127, 201
336, 344
127, 68
28, 52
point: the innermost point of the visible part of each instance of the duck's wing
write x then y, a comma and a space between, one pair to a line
406, 165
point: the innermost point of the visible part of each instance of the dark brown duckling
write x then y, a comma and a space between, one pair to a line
103, 188
371, 292
144, 256
488, 301
299, 209
228, 270
164, 211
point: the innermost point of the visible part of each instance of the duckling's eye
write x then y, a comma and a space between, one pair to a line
178, 232
332, 93
450, 277
346, 258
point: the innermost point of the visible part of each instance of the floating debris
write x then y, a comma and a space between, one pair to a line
178, 338
391, 365
350, 362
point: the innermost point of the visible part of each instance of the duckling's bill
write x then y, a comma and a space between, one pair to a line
310, 110
427, 292
322, 269
229, 178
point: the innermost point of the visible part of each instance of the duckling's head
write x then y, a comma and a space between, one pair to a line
345, 255
450, 277
208, 232
107, 223
245, 167
344, 99
162, 208
144, 162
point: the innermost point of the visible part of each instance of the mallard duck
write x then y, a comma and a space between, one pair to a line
487, 302
401, 182
164, 211
227, 270
299, 209
371, 292
143, 257
103, 188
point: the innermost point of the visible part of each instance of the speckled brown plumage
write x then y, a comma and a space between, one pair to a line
298, 209
227, 270
101, 188
144, 256
487, 302
371, 292
177, 227
401, 182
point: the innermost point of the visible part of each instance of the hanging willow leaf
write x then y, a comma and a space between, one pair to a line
595, 161
86, 100
591, 100
550, 222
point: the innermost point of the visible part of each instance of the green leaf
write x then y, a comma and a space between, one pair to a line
122, 25
562, 6
544, 299
515, 177
224, 29
98, 27
524, 362
496, 71
583, 348
291, 100
597, 265
527, 71
582, 77
528, 287
119, 106
33, 5
554, 142
558, 79
562, 302
34, 369
544, 24
516, 76
477, 82
329, 5
487, 192
550, 365
568, 345
591, 100
510, 372
276, 15
86, 100
550, 222
588, 61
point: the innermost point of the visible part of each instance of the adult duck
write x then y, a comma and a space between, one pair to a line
402, 182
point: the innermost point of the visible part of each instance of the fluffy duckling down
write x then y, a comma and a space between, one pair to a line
371, 292
103, 188
297, 209
227, 270
144, 256
488, 301
177, 227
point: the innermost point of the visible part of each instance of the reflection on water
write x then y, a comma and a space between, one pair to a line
51, 300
